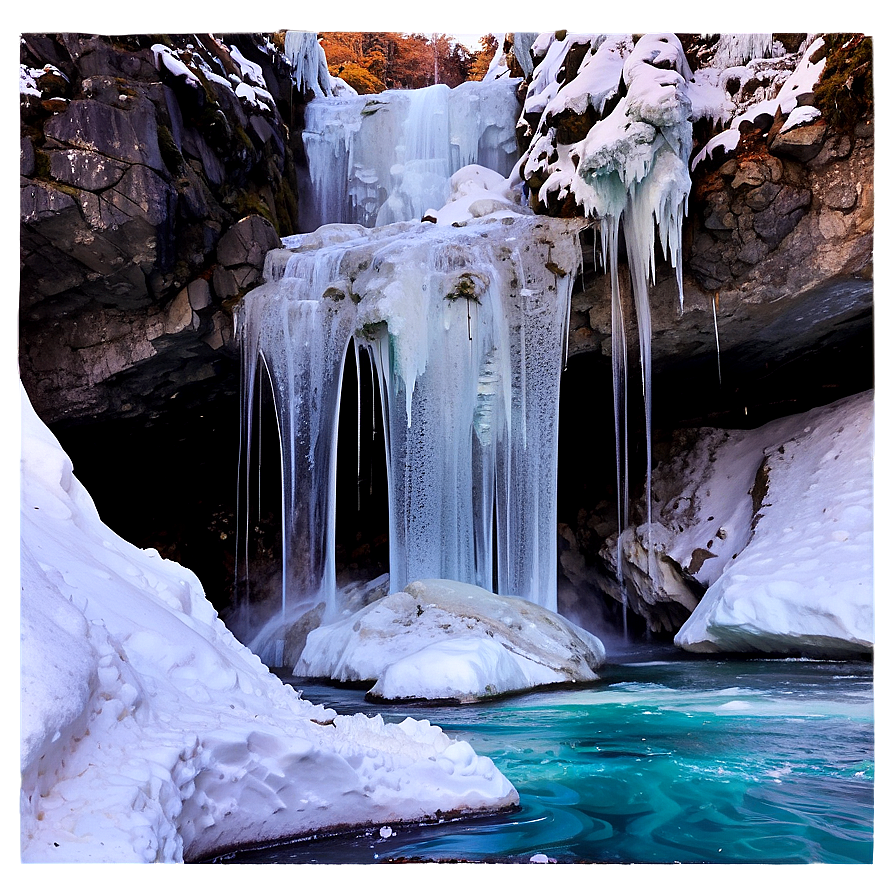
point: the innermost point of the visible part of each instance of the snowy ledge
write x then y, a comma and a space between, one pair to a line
440, 641
150, 734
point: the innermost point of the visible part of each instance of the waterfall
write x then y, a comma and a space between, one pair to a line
466, 335
374, 160
465, 327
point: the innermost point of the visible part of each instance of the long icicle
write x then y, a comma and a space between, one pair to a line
715, 323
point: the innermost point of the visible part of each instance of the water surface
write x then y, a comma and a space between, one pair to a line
668, 760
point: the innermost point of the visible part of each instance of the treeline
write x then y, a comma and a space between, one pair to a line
372, 61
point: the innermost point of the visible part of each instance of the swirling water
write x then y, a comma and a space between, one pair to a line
670, 760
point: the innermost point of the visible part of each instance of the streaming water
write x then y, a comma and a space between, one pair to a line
669, 760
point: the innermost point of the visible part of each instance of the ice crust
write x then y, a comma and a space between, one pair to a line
442, 640
149, 733
379, 159
466, 327
796, 576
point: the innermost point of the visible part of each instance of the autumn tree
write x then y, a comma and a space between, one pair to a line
374, 61
482, 59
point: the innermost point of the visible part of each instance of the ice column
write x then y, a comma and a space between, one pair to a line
471, 410
295, 330
467, 330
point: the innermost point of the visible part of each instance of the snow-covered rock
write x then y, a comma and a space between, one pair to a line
479, 192
800, 580
443, 640
149, 733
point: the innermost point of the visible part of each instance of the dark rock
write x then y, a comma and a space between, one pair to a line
801, 143
41, 201
840, 195
762, 196
752, 172
84, 169
198, 294
224, 283
248, 241
26, 157
785, 212
143, 194
130, 136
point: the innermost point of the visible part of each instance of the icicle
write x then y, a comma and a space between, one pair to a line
714, 302
358, 439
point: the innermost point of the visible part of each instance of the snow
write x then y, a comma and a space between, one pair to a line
166, 56
27, 83
149, 733
800, 115
788, 98
443, 640
479, 192
250, 71
797, 577
597, 79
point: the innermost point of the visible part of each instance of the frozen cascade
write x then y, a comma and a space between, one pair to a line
308, 61
300, 336
467, 337
387, 157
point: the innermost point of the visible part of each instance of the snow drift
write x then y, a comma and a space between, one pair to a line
800, 579
149, 733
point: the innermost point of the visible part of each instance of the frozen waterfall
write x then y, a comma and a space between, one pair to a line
388, 157
467, 337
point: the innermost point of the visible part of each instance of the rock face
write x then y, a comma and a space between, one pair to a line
154, 177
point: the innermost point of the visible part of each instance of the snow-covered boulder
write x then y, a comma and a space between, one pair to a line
443, 640
149, 733
800, 581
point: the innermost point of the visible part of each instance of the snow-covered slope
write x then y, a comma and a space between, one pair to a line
800, 579
442, 640
150, 734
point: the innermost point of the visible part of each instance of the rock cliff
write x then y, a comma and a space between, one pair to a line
156, 172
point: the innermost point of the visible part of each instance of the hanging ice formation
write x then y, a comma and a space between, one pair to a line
467, 337
630, 171
633, 170
387, 157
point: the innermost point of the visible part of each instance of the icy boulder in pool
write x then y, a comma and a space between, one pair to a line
444, 640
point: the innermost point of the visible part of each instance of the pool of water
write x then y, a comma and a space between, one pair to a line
665, 760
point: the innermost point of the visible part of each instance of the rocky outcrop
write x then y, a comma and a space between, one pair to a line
760, 542
156, 171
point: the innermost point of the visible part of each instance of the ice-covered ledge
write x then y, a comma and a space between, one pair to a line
447, 641
149, 733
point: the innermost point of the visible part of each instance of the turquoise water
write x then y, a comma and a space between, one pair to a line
670, 760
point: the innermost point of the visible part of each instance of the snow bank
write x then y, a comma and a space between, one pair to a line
799, 577
150, 734
441, 640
